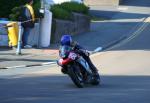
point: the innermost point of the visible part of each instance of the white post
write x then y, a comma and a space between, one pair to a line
18, 51
45, 29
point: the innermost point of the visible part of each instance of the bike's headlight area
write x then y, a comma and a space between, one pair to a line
64, 51
63, 55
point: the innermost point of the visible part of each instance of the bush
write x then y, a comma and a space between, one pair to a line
7, 5
60, 13
75, 7
64, 10
36, 7
16, 11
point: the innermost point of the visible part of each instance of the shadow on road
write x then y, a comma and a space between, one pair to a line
26, 60
112, 14
56, 89
143, 3
139, 40
5, 48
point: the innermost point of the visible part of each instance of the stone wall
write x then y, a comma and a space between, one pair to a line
79, 24
3, 36
60, 27
34, 35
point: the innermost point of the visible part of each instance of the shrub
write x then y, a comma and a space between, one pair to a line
64, 10
36, 7
16, 11
75, 7
7, 5
60, 13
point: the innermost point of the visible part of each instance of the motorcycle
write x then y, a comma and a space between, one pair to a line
76, 67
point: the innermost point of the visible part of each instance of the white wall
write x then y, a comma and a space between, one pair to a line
102, 2
60, 1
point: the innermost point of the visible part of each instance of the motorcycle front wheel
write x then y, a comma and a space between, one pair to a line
96, 81
76, 76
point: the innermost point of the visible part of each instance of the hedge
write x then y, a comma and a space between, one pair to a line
7, 5
64, 10
60, 13
75, 7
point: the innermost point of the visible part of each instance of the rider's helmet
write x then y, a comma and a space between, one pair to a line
66, 40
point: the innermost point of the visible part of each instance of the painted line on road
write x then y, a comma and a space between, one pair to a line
134, 35
122, 8
20, 66
32, 65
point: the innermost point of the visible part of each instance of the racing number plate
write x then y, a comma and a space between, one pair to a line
72, 56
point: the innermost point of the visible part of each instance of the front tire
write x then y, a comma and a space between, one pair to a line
96, 80
76, 76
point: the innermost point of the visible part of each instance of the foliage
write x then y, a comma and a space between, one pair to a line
12, 8
64, 10
16, 11
75, 7
36, 7
7, 5
60, 13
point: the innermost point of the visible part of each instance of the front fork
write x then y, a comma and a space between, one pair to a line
85, 65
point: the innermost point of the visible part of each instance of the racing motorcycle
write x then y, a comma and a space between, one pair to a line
76, 67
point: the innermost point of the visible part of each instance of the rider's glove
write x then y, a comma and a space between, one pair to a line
59, 62
85, 52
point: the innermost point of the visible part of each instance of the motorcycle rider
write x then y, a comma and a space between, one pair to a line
67, 40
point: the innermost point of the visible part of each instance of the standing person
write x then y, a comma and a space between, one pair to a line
28, 19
